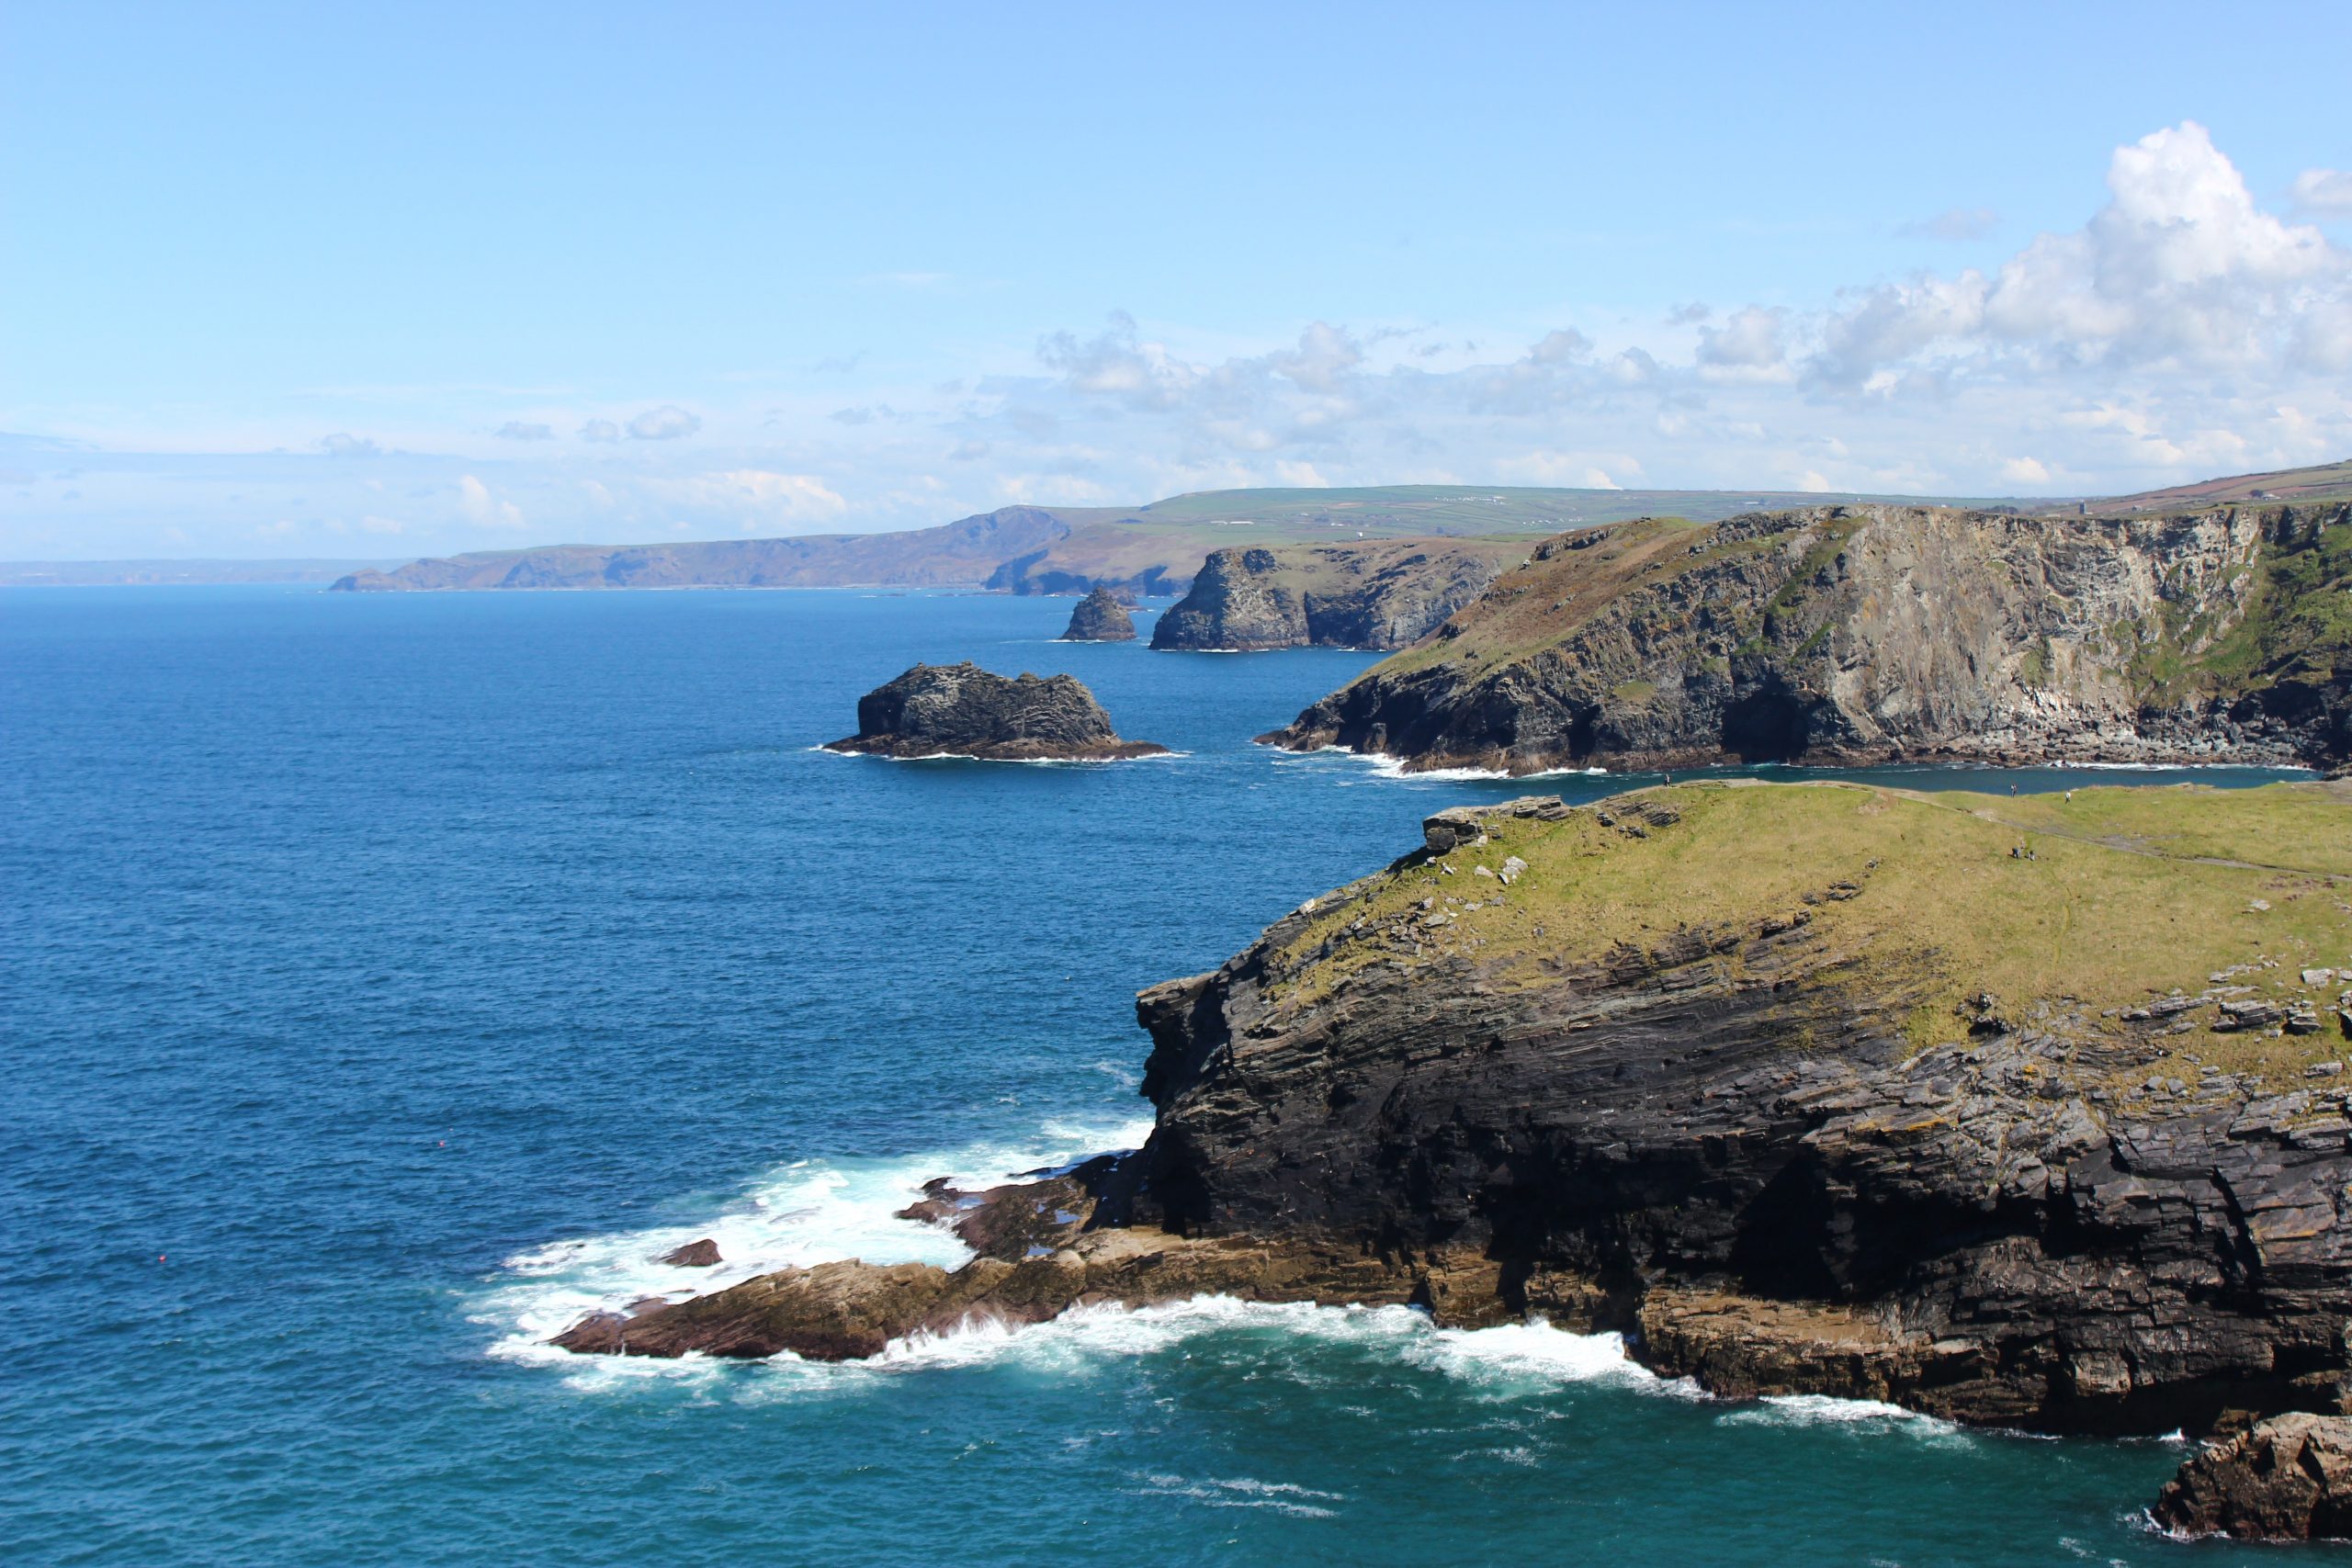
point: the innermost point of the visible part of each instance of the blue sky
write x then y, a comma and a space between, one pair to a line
279, 277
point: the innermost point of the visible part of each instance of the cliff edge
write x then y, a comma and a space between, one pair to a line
1849, 634
2023, 1112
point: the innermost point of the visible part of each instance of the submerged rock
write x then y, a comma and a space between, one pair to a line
1100, 618
2290, 1478
962, 710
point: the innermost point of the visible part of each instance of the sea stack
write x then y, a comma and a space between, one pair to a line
1100, 618
962, 710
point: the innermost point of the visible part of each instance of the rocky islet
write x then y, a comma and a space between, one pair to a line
1100, 616
962, 710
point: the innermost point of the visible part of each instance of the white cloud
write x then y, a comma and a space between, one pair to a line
1746, 347
600, 430
2025, 471
516, 430
2327, 192
343, 445
479, 505
750, 498
667, 422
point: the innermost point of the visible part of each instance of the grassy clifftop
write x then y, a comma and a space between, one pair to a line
2113, 898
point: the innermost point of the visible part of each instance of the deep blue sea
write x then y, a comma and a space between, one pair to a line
386, 980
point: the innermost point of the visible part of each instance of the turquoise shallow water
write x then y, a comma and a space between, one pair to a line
383, 980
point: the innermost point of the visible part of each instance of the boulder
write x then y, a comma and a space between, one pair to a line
702, 1254
2290, 1478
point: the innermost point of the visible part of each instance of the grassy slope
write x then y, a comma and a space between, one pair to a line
2325, 481
2127, 897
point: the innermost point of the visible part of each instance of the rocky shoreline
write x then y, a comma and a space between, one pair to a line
1811, 1143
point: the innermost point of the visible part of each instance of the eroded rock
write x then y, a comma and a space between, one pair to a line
2290, 1478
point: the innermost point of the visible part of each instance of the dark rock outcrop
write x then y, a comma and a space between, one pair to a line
1380, 594
962, 710
702, 1254
1100, 618
1865, 634
1784, 1138
2290, 1478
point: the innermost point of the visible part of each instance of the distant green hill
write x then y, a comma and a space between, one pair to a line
1151, 550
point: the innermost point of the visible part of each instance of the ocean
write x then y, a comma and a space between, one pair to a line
386, 980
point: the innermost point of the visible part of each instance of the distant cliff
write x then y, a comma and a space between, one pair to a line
1380, 594
1146, 551
973, 552
1858, 634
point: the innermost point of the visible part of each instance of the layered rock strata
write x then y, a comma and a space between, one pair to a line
1381, 594
962, 710
1804, 1090
1866, 634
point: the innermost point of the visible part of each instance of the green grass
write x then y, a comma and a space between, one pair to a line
2124, 898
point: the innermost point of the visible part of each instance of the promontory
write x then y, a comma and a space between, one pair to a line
1376, 594
962, 710
1861, 634
2021, 1112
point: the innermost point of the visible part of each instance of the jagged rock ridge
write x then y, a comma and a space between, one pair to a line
1865, 634
1381, 594
962, 710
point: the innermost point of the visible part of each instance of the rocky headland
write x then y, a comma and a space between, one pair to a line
2021, 1112
1100, 618
1379, 594
1848, 635
962, 710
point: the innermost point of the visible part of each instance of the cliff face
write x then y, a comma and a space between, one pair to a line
1100, 618
963, 710
1382, 595
1871, 633
2023, 1112
1898, 1115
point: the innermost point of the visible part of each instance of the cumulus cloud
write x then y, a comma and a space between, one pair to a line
516, 430
2025, 471
600, 430
2180, 266
667, 422
479, 504
1748, 346
2327, 192
343, 445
